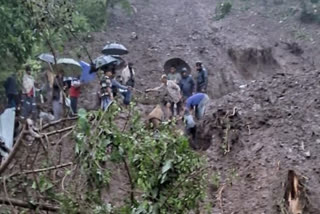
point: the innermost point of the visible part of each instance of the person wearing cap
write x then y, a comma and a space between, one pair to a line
186, 84
197, 102
172, 96
202, 78
174, 75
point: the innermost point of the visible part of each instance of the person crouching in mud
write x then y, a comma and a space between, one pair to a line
197, 104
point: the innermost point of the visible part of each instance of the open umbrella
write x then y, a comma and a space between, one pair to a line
46, 58
103, 61
86, 76
115, 49
71, 67
178, 63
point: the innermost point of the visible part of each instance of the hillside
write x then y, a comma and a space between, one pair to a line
260, 128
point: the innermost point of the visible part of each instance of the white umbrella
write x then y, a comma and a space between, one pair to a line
46, 58
71, 67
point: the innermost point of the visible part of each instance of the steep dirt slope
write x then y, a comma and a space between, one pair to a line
247, 44
278, 113
277, 129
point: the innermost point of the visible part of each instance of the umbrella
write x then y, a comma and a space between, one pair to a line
178, 63
86, 76
47, 58
114, 49
103, 61
70, 67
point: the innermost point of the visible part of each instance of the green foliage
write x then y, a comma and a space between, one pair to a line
43, 184
310, 12
169, 174
223, 9
94, 12
215, 180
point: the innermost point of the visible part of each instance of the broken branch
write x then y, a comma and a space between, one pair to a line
59, 131
32, 206
58, 121
42, 170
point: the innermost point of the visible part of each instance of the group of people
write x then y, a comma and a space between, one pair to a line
112, 86
183, 95
59, 91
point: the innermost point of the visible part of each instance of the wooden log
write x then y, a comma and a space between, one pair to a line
32, 206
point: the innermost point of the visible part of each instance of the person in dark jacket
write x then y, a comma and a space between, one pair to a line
186, 84
125, 91
10, 86
57, 96
202, 78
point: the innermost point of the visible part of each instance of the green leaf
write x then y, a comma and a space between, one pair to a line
167, 166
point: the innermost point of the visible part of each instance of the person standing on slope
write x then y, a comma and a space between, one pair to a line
174, 75
202, 78
172, 95
186, 84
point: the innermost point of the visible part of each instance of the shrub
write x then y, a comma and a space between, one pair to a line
222, 10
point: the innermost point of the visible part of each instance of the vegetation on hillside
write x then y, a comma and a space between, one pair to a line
161, 173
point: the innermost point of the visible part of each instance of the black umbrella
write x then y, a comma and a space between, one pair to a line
115, 49
178, 63
103, 61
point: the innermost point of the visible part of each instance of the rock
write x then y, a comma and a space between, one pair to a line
308, 154
133, 36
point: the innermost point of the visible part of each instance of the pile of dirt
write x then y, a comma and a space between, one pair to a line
272, 127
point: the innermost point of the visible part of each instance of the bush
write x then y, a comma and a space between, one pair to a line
310, 12
222, 10
170, 176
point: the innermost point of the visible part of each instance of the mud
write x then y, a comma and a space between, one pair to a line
279, 131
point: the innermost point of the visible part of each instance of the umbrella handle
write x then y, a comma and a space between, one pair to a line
50, 67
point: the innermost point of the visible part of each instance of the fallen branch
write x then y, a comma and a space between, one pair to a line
61, 139
219, 197
42, 170
58, 121
7, 195
32, 206
59, 131
13, 152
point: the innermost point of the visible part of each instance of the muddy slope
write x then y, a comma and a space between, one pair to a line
249, 43
277, 129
